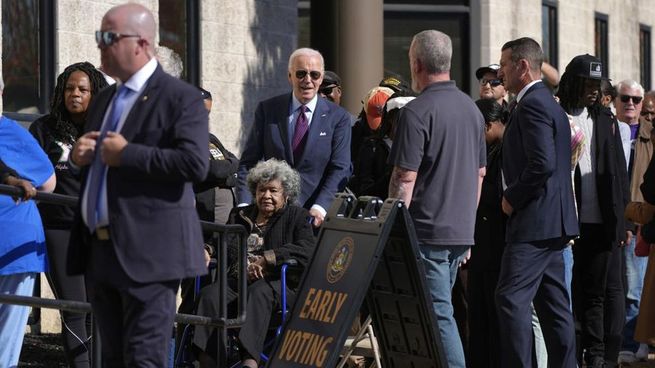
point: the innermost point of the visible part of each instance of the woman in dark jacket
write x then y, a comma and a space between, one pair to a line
279, 231
56, 134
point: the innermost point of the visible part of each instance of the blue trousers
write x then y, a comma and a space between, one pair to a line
13, 317
441, 263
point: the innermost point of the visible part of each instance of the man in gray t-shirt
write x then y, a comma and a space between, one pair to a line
439, 158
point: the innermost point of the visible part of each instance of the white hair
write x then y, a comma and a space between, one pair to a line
629, 83
169, 60
306, 51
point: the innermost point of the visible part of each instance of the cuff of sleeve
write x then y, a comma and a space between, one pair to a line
269, 257
320, 209
73, 167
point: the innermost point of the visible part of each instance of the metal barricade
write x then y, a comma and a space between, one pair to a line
221, 322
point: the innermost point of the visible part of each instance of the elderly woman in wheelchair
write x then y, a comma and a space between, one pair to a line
279, 232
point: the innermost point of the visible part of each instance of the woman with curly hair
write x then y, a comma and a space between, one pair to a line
56, 132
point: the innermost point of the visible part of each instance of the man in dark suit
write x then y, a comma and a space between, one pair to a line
145, 142
309, 132
540, 205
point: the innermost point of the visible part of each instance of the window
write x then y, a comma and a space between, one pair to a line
600, 41
401, 26
549, 31
402, 20
644, 57
28, 66
179, 30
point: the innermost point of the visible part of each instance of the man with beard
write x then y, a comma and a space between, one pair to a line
601, 182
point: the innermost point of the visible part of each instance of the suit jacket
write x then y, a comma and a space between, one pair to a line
153, 223
537, 169
612, 186
324, 166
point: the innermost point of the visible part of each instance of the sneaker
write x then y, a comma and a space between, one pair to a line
642, 352
626, 356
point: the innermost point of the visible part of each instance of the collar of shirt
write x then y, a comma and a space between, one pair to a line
525, 89
139, 79
295, 104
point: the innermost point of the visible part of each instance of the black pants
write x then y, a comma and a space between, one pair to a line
534, 272
264, 298
598, 297
484, 340
74, 326
135, 319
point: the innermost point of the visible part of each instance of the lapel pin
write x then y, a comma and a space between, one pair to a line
144, 98
323, 115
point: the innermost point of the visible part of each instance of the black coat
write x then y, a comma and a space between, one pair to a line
648, 191
612, 183
490, 221
288, 233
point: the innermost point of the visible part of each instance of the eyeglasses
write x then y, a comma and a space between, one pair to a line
492, 82
635, 99
301, 74
107, 38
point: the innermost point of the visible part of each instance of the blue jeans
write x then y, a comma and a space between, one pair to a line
567, 253
635, 270
441, 263
13, 317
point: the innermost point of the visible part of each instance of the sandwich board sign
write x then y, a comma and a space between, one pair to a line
366, 252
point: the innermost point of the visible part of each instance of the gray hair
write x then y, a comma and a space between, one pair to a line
629, 83
434, 50
169, 60
273, 169
306, 51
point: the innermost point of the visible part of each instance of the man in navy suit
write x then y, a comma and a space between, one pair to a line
309, 132
540, 205
145, 142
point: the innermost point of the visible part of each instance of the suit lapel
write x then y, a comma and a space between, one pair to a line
316, 126
282, 118
136, 117
94, 122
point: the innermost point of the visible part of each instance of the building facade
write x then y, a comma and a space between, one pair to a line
238, 49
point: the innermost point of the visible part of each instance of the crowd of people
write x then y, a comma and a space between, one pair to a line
533, 206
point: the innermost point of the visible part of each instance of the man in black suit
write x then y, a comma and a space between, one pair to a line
540, 205
145, 142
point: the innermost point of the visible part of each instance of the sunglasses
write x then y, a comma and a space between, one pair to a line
492, 82
327, 90
635, 99
301, 74
108, 38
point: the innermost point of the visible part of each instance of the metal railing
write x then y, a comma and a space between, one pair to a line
221, 322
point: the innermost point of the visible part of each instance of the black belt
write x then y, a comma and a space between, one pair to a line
102, 233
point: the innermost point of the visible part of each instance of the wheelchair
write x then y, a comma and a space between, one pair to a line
185, 358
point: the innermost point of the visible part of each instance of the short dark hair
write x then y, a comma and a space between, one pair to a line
607, 89
492, 110
528, 49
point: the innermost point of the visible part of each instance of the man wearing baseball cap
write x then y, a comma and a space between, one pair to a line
490, 86
602, 192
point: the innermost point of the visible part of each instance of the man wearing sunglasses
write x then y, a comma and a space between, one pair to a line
630, 103
490, 86
144, 144
311, 133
